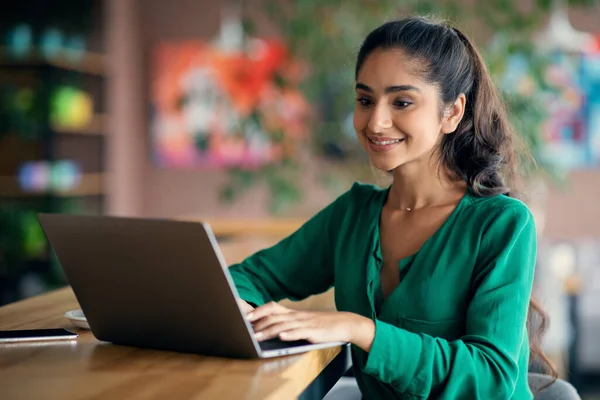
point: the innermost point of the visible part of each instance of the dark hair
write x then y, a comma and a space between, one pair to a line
482, 150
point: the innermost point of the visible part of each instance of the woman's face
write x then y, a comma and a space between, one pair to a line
397, 115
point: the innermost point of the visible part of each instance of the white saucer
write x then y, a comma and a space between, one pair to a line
77, 318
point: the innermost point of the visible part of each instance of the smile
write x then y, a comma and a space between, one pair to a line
384, 142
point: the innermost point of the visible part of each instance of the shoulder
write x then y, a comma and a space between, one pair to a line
499, 220
504, 234
486, 210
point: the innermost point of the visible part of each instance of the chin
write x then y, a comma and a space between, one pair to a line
385, 166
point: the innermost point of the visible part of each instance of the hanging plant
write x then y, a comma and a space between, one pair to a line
327, 33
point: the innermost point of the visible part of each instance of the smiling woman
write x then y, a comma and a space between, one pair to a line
394, 109
433, 274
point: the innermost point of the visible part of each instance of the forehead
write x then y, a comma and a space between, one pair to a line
385, 67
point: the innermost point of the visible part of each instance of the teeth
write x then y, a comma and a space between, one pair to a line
385, 142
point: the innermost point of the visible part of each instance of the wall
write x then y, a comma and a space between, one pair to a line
170, 192
138, 188
573, 211
126, 130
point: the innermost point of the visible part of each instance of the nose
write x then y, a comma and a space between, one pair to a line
381, 118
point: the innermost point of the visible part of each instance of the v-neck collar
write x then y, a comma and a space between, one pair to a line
376, 243
377, 299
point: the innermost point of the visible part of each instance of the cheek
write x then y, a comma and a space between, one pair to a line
360, 120
421, 129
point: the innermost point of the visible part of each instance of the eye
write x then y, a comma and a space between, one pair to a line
364, 102
401, 104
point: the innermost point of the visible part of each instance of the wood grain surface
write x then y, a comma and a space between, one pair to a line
89, 369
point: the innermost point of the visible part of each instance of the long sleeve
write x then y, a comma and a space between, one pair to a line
297, 267
484, 363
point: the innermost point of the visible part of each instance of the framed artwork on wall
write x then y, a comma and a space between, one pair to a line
214, 107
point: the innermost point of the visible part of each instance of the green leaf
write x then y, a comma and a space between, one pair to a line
227, 194
248, 26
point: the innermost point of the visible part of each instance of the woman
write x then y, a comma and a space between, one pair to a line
432, 275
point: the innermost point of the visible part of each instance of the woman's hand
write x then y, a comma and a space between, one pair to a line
274, 320
246, 308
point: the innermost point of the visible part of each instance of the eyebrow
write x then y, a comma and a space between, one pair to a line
389, 89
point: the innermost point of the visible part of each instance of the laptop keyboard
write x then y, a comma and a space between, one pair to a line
276, 344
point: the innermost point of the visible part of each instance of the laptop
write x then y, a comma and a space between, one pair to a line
159, 284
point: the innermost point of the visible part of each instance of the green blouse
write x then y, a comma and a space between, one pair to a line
455, 326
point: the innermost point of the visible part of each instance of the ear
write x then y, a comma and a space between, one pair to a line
454, 114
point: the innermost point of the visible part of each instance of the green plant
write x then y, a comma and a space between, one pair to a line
327, 33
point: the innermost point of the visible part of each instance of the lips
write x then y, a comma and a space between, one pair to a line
383, 141
383, 144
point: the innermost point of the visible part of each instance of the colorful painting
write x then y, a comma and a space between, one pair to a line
217, 108
590, 71
565, 130
571, 131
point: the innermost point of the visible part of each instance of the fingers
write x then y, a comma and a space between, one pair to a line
246, 308
298, 334
273, 319
273, 324
276, 329
267, 309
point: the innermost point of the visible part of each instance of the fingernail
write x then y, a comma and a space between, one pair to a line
283, 335
259, 335
250, 316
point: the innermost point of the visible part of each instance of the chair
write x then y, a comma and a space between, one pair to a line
347, 389
559, 390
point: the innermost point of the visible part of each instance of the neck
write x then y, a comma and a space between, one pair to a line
418, 186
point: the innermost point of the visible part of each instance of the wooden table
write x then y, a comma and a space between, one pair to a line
89, 369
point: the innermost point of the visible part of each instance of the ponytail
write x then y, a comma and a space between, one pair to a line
482, 145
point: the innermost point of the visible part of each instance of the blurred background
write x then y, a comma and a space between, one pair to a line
239, 113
